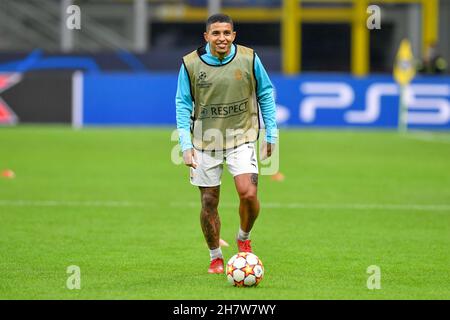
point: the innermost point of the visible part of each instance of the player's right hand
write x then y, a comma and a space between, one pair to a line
189, 158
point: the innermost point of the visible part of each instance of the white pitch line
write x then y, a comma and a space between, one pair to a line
345, 206
57, 203
427, 137
191, 204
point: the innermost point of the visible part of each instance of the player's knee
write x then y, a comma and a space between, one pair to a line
248, 196
210, 202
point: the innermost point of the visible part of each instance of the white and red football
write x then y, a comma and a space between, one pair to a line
244, 269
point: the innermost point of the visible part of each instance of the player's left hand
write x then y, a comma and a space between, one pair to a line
270, 149
267, 150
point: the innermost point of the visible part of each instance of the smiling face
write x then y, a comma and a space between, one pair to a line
220, 36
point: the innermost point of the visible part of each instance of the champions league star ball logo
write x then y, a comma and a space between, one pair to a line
202, 76
202, 83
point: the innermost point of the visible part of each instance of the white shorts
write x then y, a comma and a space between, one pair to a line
210, 164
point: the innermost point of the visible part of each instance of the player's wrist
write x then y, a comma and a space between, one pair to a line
271, 135
186, 147
270, 140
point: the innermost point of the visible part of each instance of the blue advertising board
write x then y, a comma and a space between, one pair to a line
129, 99
302, 101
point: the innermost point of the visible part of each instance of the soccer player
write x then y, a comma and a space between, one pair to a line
221, 88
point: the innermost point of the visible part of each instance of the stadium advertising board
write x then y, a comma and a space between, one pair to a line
303, 101
344, 101
35, 97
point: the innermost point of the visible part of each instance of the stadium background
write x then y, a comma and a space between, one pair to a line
87, 117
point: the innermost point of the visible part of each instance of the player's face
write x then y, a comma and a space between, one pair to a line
220, 37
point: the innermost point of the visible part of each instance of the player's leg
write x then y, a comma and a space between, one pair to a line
210, 222
247, 189
243, 165
207, 177
209, 215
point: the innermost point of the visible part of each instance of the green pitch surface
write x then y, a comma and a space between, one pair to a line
111, 202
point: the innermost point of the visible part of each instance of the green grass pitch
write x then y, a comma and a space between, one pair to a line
111, 202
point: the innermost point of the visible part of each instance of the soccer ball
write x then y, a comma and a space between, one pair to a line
244, 270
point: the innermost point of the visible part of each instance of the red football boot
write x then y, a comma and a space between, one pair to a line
216, 266
244, 245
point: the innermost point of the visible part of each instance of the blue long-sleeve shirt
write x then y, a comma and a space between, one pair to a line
264, 94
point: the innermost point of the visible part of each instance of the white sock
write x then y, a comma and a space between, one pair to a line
215, 253
243, 235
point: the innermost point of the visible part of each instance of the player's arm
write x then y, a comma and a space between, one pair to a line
183, 102
264, 93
